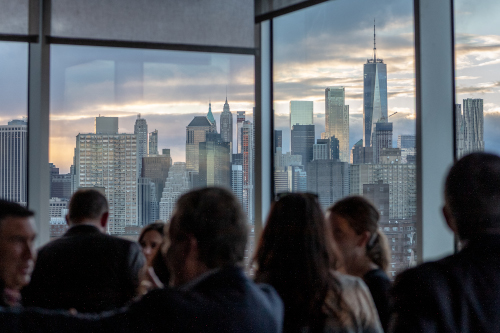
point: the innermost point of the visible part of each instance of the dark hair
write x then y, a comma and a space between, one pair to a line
295, 257
157, 226
362, 216
87, 204
214, 217
472, 193
12, 209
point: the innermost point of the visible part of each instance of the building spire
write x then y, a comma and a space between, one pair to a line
226, 93
374, 44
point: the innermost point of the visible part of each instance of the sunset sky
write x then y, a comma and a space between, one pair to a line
324, 45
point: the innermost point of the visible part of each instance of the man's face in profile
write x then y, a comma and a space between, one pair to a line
17, 235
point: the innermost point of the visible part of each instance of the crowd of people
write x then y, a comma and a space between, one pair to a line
314, 272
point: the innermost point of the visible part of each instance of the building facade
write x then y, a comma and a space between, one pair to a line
302, 141
141, 132
153, 143
301, 113
215, 162
329, 179
226, 125
337, 119
177, 184
196, 132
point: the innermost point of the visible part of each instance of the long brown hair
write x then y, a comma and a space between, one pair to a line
362, 216
295, 257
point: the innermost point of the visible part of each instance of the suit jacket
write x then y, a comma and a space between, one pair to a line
460, 293
87, 270
225, 301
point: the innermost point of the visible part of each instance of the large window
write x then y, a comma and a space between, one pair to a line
145, 126
13, 121
477, 50
344, 101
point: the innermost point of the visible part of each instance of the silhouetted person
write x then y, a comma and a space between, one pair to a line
460, 293
296, 256
86, 269
209, 291
17, 233
363, 248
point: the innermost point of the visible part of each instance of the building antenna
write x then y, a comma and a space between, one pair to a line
374, 44
226, 93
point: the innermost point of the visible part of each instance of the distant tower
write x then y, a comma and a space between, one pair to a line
176, 184
247, 150
211, 118
153, 143
374, 94
337, 119
473, 123
240, 119
196, 132
141, 132
226, 125
301, 113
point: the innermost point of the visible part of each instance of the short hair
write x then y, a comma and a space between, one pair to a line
12, 209
214, 217
157, 226
87, 204
472, 193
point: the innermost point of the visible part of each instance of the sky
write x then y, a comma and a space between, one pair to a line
324, 45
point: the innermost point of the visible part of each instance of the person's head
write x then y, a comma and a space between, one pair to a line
17, 235
354, 224
207, 230
150, 240
472, 195
88, 206
295, 256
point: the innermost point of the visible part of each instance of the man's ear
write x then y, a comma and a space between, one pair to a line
450, 220
104, 220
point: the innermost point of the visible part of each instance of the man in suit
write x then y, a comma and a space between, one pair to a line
85, 269
17, 234
209, 292
460, 293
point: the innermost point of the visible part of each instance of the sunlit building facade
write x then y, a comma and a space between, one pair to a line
301, 113
337, 119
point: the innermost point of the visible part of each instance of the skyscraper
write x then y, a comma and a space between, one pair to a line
226, 125
177, 183
247, 147
215, 162
374, 94
156, 169
301, 113
153, 142
302, 141
473, 124
196, 132
278, 139
106, 125
381, 138
109, 161
211, 118
240, 119
407, 141
13, 143
141, 131
337, 119
329, 179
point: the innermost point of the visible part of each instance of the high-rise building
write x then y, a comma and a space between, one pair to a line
329, 179
141, 131
278, 139
240, 119
337, 119
378, 194
215, 162
321, 149
459, 130
381, 138
156, 169
248, 152
360, 154
301, 113
146, 196
374, 94
196, 132
57, 207
61, 186
237, 181
109, 161
226, 125
473, 125
177, 183
407, 141
153, 143
334, 148
13, 160
106, 125
211, 118
302, 141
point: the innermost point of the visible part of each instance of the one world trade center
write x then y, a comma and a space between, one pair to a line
374, 94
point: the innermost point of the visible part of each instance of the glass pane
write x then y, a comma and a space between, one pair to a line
145, 126
345, 110
14, 121
14, 17
227, 23
477, 50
